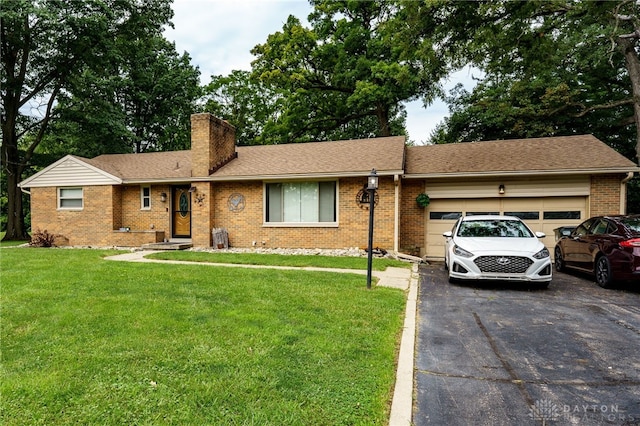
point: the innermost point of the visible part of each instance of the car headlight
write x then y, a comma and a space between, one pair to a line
542, 254
459, 251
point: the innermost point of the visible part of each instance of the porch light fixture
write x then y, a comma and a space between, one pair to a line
163, 197
372, 185
193, 189
501, 189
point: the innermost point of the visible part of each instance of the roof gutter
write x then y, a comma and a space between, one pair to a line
396, 213
520, 173
623, 192
297, 176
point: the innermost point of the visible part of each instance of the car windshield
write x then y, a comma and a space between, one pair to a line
632, 223
494, 228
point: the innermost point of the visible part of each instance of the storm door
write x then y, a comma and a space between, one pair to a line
181, 212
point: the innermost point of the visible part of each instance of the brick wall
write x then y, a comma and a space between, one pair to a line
246, 226
412, 220
213, 142
202, 214
92, 225
605, 194
109, 208
106, 209
132, 216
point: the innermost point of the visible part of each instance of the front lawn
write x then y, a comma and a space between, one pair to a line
9, 243
341, 262
86, 341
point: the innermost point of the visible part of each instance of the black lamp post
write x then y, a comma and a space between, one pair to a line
372, 185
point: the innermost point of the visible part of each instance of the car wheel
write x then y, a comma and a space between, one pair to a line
559, 261
603, 274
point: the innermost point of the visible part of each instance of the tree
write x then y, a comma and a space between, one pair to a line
143, 103
349, 73
246, 103
552, 68
44, 46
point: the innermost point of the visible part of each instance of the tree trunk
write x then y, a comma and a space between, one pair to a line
382, 114
12, 167
627, 46
15, 215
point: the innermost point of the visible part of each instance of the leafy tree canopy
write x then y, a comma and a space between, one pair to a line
551, 68
47, 47
348, 74
141, 103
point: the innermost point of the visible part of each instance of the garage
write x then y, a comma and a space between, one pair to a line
543, 202
547, 182
541, 214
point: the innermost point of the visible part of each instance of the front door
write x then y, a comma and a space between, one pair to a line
181, 212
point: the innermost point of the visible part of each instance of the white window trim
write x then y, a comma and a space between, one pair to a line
60, 198
266, 224
142, 198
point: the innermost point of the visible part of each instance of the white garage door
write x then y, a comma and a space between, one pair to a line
541, 214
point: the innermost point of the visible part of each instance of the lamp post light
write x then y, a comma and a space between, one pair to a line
372, 185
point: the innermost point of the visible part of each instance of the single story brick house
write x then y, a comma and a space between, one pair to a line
309, 195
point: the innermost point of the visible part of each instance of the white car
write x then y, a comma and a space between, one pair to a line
500, 248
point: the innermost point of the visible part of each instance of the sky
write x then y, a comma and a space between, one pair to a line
219, 36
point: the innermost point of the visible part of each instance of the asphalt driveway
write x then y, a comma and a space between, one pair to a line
500, 354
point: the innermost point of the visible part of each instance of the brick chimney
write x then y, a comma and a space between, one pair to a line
213, 144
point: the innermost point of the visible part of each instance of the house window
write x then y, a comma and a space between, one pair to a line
571, 214
524, 215
444, 215
70, 198
481, 213
301, 202
145, 198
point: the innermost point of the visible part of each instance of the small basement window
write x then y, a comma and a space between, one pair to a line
145, 198
70, 198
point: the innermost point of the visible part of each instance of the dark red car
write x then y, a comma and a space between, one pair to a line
607, 246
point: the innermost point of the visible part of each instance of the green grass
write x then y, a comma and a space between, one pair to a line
342, 262
88, 341
9, 243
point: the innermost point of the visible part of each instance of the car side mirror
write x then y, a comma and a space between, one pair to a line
447, 234
540, 234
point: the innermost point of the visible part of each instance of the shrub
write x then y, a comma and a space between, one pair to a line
43, 239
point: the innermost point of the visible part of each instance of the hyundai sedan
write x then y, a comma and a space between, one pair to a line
496, 248
606, 246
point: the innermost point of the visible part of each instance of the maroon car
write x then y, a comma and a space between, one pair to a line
607, 246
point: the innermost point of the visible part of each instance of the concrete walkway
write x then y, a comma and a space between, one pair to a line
400, 278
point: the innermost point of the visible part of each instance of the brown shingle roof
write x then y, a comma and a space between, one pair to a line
146, 166
557, 154
349, 157
357, 157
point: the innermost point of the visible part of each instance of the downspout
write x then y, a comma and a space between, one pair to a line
24, 190
396, 221
623, 192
